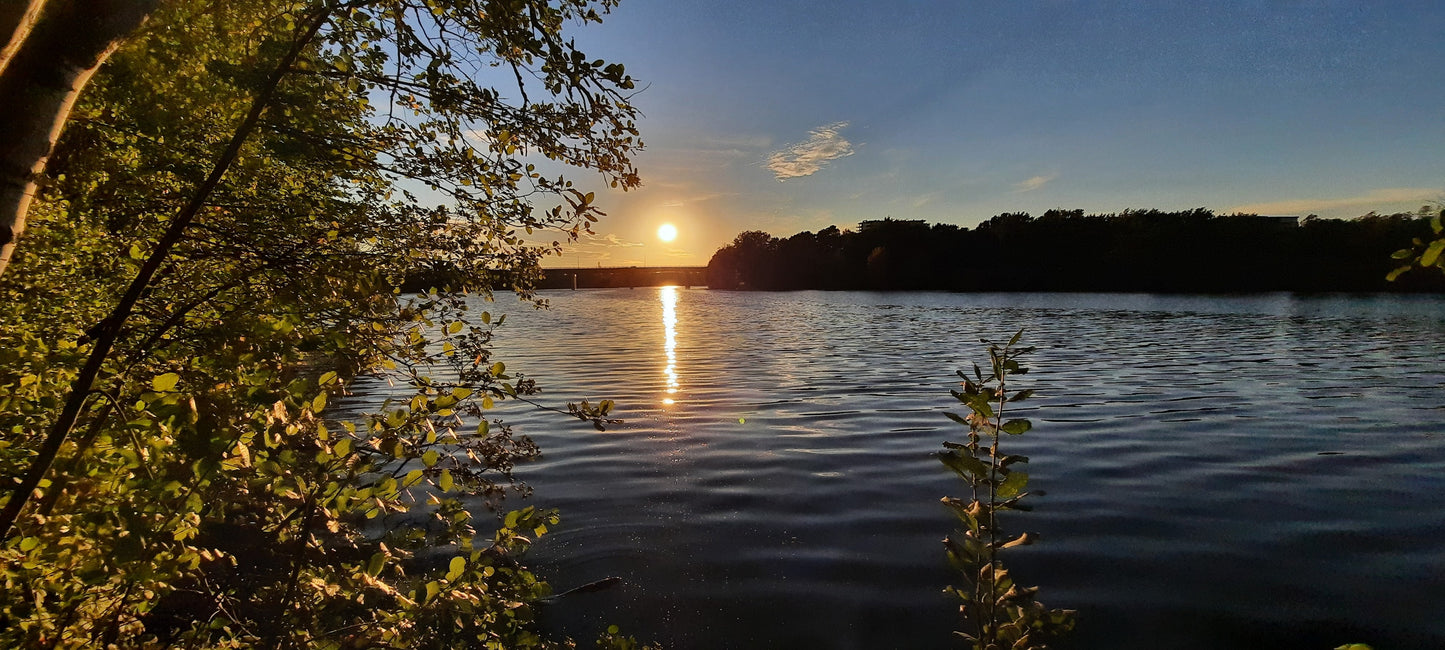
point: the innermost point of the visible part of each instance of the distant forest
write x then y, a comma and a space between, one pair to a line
1067, 250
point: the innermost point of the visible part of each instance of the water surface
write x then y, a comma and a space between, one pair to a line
1221, 472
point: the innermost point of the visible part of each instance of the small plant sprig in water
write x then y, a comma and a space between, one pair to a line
997, 612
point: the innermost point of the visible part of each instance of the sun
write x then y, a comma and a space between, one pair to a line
667, 232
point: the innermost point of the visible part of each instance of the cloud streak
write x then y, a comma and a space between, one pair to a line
615, 241
1034, 183
1368, 201
824, 145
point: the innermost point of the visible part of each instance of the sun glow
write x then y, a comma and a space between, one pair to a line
667, 232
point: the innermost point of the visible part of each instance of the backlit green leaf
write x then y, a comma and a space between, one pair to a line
1432, 253
374, 566
165, 383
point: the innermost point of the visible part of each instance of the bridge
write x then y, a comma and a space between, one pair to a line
623, 276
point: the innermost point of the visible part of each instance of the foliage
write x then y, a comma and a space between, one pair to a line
997, 612
1422, 253
1134, 250
212, 494
613, 639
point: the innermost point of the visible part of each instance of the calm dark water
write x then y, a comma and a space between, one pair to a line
1221, 472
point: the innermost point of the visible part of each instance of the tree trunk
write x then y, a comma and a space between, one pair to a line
39, 83
108, 330
16, 19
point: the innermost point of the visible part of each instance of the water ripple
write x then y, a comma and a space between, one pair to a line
1220, 472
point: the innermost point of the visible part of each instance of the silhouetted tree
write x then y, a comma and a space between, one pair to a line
1067, 250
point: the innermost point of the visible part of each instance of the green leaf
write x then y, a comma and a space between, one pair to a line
445, 481
1432, 253
456, 567
319, 403
980, 405
965, 465
430, 457
1012, 485
165, 383
375, 564
1016, 427
1395, 274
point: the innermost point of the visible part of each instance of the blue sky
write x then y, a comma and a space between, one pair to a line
787, 115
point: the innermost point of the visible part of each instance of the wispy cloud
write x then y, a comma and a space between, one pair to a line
824, 145
704, 154
923, 200
700, 197
1372, 200
1034, 183
595, 249
600, 243
614, 241
728, 146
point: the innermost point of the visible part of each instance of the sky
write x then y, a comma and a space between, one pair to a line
787, 116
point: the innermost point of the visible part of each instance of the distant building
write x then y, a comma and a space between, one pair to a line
890, 222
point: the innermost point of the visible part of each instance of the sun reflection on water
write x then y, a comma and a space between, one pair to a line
669, 341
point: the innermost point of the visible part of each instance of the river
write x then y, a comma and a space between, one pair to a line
1219, 471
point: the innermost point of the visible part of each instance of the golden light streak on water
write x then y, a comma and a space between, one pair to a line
669, 341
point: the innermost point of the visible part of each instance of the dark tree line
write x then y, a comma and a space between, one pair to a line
1067, 250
